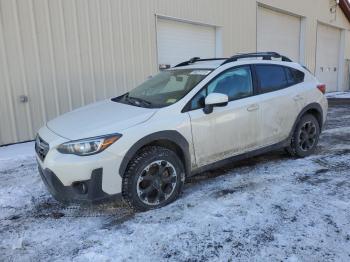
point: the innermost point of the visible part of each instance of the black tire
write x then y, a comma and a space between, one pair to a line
154, 178
305, 137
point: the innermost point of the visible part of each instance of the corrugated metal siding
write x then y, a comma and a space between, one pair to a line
67, 53
314, 12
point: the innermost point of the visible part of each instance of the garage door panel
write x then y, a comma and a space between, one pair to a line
278, 32
179, 41
327, 56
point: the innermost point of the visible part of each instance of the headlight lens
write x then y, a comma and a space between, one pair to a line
88, 146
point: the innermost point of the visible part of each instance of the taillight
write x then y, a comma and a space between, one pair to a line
322, 88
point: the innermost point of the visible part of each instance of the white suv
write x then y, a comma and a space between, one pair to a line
193, 117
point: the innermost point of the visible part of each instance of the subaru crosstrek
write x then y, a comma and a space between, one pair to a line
193, 117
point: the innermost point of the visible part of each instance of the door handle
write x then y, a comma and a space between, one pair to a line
253, 107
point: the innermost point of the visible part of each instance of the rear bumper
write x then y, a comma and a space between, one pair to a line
86, 191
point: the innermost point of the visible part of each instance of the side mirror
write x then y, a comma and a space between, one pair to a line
214, 100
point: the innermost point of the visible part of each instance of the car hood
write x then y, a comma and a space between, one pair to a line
101, 118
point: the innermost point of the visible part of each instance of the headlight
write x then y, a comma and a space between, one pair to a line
88, 146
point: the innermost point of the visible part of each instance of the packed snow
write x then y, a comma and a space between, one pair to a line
269, 208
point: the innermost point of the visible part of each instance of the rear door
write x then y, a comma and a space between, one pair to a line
279, 103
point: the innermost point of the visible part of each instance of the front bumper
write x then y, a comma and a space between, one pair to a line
64, 174
80, 191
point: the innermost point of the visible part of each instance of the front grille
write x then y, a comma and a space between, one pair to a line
41, 148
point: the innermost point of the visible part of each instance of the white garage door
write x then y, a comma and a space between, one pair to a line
179, 41
278, 32
327, 57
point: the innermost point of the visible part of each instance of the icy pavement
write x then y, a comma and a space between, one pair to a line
269, 208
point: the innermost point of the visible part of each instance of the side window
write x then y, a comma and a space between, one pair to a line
271, 77
294, 76
290, 76
236, 83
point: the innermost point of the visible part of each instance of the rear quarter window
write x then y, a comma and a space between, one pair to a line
294, 76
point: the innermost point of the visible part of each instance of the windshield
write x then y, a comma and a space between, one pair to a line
165, 88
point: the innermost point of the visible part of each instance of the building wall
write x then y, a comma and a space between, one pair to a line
347, 44
63, 54
347, 63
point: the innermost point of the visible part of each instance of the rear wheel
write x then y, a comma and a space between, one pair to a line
154, 178
305, 137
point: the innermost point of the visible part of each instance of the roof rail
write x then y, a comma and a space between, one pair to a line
263, 55
196, 59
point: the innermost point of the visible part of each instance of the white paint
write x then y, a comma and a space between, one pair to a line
180, 41
239, 127
279, 32
341, 62
101, 118
216, 98
327, 56
219, 42
302, 55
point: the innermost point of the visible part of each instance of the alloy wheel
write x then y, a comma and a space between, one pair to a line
307, 136
156, 182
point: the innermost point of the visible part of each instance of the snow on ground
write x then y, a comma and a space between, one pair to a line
269, 208
338, 95
17, 151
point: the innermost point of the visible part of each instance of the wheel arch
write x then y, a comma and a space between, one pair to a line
169, 139
314, 109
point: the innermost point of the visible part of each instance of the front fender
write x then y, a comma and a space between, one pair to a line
168, 135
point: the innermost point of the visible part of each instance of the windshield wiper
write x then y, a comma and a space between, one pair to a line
137, 101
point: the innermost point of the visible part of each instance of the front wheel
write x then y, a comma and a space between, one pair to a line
305, 137
154, 178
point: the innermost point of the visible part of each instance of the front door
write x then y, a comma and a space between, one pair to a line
229, 130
